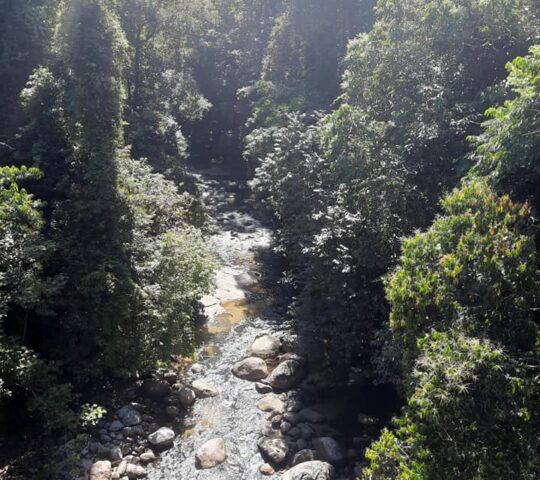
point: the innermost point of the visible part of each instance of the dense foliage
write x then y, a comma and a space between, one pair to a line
405, 201
102, 274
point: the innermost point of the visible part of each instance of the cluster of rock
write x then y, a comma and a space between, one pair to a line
125, 444
294, 437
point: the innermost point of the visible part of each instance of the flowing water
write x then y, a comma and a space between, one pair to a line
243, 307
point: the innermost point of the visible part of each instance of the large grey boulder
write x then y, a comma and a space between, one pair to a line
211, 454
252, 368
287, 374
265, 347
129, 416
162, 437
314, 470
274, 449
329, 450
100, 471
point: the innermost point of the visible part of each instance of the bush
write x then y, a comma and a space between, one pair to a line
470, 416
508, 149
474, 271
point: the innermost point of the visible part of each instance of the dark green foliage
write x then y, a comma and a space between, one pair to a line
170, 264
302, 63
22, 253
430, 70
26, 28
470, 416
474, 270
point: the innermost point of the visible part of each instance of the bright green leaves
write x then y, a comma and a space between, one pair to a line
465, 418
507, 150
473, 270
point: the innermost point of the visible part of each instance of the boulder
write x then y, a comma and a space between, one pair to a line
273, 449
148, 457
329, 450
246, 280
162, 437
263, 388
287, 374
129, 416
100, 471
211, 454
314, 470
203, 389
135, 471
197, 368
186, 396
115, 454
154, 388
270, 404
267, 469
252, 368
265, 347
303, 456
116, 426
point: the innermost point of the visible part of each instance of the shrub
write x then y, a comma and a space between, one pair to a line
474, 270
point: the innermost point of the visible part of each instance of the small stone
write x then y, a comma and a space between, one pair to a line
252, 368
304, 456
287, 374
270, 404
314, 470
211, 454
267, 469
294, 432
161, 437
275, 449
115, 454
263, 388
204, 390
187, 396
148, 457
116, 426
122, 467
285, 427
135, 471
197, 368
291, 417
129, 416
100, 471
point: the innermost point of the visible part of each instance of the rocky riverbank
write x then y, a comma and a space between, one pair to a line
248, 409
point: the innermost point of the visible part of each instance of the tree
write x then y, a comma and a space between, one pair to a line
469, 416
473, 271
507, 150
430, 70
